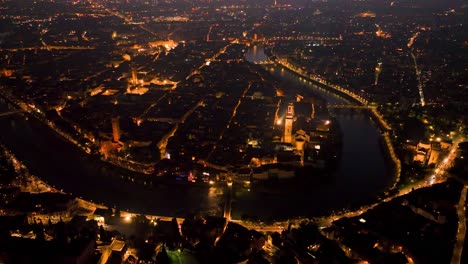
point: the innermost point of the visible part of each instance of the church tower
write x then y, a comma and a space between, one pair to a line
133, 79
289, 123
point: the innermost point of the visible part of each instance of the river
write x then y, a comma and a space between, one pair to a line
362, 171
62, 165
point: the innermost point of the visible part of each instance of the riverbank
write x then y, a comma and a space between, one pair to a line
60, 164
362, 173
24, 180
80, 140
30, 183
121, 169
374, 114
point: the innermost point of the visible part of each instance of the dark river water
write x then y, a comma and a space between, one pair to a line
362, 171
64, 166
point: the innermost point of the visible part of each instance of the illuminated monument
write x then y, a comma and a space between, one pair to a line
288, 123
133, 80
134, 85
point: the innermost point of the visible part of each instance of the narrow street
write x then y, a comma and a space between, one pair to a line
234, 112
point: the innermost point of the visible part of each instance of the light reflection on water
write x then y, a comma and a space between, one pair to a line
361, 173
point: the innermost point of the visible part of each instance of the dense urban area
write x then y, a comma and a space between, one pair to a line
233, 131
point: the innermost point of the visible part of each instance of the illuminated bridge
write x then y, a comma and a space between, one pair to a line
375, 114
349, 107
265, 62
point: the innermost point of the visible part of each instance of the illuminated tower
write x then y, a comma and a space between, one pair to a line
134, 77
288, 122
115, 129
378, 70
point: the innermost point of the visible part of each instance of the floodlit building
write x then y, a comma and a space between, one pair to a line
434, 153
422, 151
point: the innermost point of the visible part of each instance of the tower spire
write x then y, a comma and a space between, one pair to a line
288, 123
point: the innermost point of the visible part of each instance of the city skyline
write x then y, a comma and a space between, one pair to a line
149, 131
